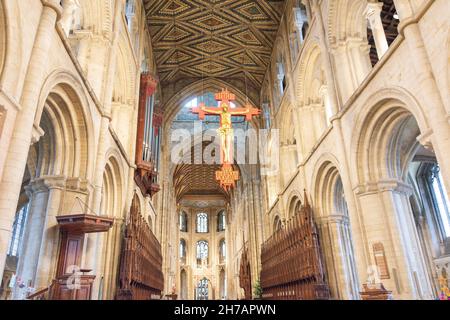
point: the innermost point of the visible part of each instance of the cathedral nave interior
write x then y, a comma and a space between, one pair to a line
224, 150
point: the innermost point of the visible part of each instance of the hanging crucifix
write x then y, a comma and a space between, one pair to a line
226, 176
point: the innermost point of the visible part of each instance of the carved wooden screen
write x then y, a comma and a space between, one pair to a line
245, 277
291, 260
141, 276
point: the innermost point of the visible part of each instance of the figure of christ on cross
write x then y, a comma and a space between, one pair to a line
226, 127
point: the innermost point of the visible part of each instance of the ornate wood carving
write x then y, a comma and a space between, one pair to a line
145, 175
292, 267
245, 276
375, 292
141, 276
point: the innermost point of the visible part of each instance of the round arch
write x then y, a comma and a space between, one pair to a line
391, 121
64, 100
307, 65
346, 19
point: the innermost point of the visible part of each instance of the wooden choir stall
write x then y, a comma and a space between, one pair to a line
141, 276
292, 267
245, 277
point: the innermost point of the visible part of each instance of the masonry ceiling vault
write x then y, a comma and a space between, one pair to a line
221, 39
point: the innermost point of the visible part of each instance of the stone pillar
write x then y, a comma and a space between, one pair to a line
340, 264
20, 141
70, 7
48, 253
373, 15
388, 221
300, 18
38, 193
326, 59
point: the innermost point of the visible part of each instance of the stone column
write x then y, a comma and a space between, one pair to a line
333, 89
20, 141
68, 14
48, 253
257, 205
300, 18
388, 220
38, 193
373, 15
340, 264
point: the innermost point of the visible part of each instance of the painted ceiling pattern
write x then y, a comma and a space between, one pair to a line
223, 39
193, 177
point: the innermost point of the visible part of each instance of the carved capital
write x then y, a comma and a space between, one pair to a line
36, 134
382, 185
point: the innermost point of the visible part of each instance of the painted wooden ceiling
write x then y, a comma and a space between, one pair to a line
194, 177
222, 39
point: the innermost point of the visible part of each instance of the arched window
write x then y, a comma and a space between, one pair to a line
299, 29
202, 289
202, 252
71, 16
183, 222
221, 221
17, 233
277, 224
202, 223
382, 27
439, 198
183, 251
130, 12
222, 250
340, 204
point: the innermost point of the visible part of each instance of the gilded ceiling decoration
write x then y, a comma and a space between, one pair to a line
213, 38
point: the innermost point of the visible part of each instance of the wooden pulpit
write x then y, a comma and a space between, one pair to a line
73, 228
